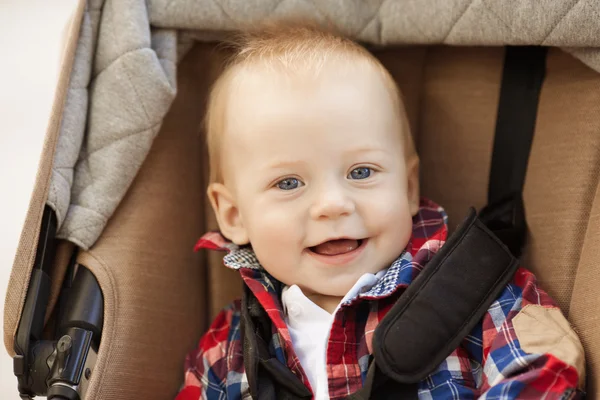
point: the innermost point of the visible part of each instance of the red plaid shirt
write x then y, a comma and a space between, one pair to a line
491, 362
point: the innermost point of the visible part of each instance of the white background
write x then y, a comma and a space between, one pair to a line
32, 37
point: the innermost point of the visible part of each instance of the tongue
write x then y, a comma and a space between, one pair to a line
335, 247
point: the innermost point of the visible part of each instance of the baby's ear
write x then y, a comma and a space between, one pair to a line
227, 213
413, 192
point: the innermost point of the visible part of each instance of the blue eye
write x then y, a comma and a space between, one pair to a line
360, 173
289, 184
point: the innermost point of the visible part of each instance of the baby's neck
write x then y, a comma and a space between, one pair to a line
327, 303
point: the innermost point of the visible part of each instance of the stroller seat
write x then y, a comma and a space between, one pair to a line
159, 296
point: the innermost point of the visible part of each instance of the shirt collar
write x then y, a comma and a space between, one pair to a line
292, 296
428, 235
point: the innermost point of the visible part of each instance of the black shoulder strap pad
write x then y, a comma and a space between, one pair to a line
444, 303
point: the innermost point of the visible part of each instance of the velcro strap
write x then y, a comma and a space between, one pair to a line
444, 303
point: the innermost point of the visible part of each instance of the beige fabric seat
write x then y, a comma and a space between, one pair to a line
160, 296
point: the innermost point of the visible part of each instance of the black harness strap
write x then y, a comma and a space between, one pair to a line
522, 78
444, 303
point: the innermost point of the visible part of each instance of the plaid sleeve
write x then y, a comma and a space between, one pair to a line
529, 349
206, 367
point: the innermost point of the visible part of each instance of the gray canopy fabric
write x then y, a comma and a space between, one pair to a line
124, 76
115, 105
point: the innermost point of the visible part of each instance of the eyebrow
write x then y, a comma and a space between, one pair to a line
368, 150
281, 164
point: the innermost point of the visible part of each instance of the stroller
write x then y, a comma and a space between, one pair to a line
106, 296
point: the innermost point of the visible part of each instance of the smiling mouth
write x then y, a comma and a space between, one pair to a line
338, 251
336, 247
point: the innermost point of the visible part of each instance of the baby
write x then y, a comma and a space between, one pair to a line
315, 186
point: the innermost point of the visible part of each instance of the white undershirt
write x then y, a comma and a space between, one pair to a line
309, 326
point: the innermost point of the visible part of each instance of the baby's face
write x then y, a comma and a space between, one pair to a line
318, 174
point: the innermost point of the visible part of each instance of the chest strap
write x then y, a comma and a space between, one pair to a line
444, 303
420, 331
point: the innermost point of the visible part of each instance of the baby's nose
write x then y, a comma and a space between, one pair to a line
332, 204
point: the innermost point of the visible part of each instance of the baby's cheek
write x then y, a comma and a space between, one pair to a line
387, 210
391, 223
272, 225
274, 240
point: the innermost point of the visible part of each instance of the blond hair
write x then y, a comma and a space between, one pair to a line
290, 46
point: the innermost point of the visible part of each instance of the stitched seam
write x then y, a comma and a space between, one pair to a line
220, 6
93, 180
126, 68
418, 29
457, 20
559, 21
143, 130
117, 59
57, 171
375, 15
491, 11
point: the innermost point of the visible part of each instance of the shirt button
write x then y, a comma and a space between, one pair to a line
294, 310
